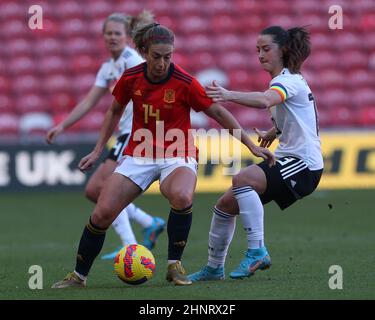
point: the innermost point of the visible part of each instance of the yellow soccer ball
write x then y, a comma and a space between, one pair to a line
134, 264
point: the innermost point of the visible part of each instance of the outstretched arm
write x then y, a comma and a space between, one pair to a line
227, 121
260, 100
81, 109
111, 120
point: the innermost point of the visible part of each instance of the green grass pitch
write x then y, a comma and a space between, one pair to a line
327, 228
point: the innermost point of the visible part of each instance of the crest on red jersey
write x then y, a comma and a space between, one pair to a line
169, 96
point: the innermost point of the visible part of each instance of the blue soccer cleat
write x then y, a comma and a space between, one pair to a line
207, 273
254, 259
111, 255
151, 233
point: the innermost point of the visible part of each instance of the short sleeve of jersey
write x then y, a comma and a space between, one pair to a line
285, 86
133, 60
197, 98
122, 91
100, 80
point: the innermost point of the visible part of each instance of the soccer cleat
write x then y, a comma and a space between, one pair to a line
254, 259
176, 273
111, 255
207, 273
71, 280
151, 233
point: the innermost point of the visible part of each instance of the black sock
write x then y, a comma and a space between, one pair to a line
89, 247
178, 228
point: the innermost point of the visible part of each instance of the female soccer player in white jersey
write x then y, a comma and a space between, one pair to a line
116, 30
299, 164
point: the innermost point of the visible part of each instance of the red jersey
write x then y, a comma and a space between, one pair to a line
161, 111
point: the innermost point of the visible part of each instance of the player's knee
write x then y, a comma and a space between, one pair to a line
181, 200
226, 205
102, 216
92, 192
240, 180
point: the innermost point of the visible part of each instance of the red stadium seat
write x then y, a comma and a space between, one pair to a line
353, 59
367, 22
367, 115
82, 83
364, 96
35, 123
31, 103
331, 79
71, 9
332, 99
325, 118
12, 10
369, 40
80, 45
232, 60
321, 60
57, 83
9, 124
225, 23
320, 41
99, 9
240, 79
13, 28
23, 65
18, 47
75, 27
346, 117
5, 85
6, 104
228, 41
26, 84
348, 41
84, 64
92, 122
61, 102
192, 25
53, 64
360, 78
49, 46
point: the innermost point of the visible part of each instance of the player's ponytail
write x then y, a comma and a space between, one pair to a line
153, 33
294, 43
145, 17
298, 48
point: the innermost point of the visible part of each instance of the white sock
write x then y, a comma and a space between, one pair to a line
123, 228
220, 237
83, 278
139, 216
251, 212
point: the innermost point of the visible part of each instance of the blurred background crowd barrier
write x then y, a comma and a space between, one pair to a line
44, 73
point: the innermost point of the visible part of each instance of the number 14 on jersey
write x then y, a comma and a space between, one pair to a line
150, 112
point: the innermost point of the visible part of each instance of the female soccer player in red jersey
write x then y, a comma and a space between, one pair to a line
117, 29
162, 94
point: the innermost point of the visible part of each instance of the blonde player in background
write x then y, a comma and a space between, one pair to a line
117, 29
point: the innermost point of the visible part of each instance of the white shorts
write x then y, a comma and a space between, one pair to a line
144, 171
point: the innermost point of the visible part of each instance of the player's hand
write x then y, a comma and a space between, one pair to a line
216, 92
265, 154
88, 161
53, 133
265, 137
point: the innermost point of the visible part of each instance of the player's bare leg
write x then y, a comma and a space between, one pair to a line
178, 187
118, 192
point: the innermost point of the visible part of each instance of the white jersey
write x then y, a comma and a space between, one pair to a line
296, 120
110, 72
